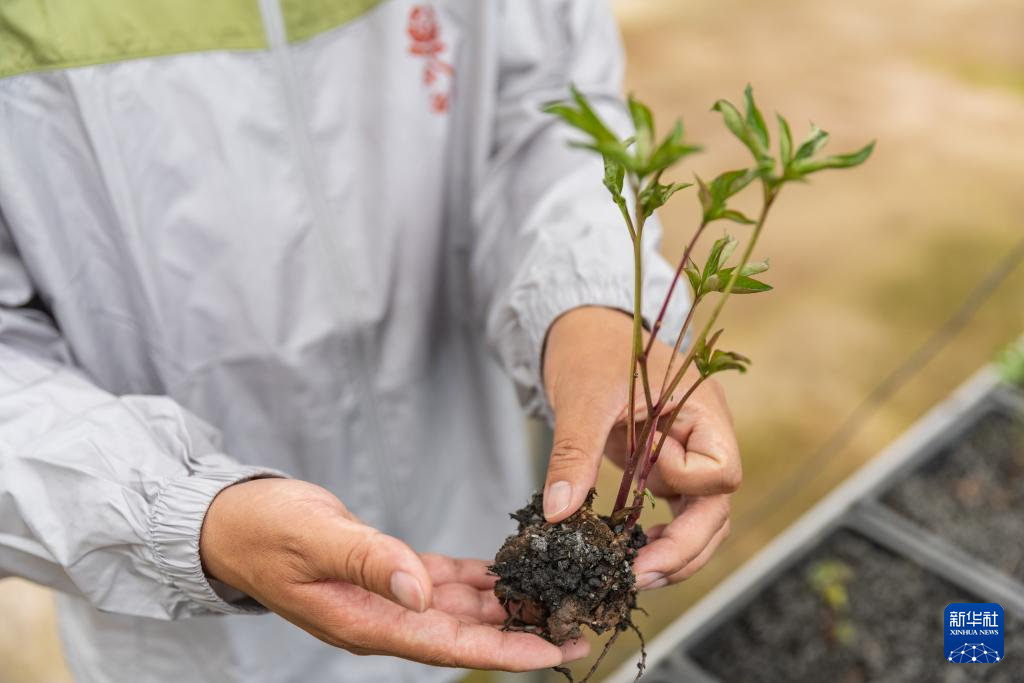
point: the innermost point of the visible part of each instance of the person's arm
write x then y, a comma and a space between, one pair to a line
128, 502
101, 496
554, 263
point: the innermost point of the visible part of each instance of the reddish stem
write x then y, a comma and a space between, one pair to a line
671, 288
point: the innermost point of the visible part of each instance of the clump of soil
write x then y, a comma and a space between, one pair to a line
553, 579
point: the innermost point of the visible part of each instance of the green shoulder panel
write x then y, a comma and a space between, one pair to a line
51, 34
38, 35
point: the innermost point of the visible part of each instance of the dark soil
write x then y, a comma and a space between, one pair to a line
554, 579
893, 621
973, 494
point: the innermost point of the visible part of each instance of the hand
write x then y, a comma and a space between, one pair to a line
297, 550
586, 376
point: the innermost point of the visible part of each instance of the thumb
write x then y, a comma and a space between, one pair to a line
581, 432
361, 555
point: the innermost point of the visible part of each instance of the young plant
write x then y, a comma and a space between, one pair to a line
636, 165
829, 579
555, 578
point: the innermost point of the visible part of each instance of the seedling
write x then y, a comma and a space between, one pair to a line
829, 579
582, 575
1010, 364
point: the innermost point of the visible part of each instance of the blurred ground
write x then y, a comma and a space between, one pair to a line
865, 263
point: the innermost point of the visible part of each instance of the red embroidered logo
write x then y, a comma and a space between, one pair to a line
425, 33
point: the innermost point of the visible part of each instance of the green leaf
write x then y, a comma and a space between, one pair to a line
720, 252
785, 142
649, 496
754, 268
721, 188
614, 174
754, 119
704, 194
615, 151
748, 285
814, 142
670, 151
727, 360
748, 131
733, 120
694, 275
602, 131
857, 158
710, 361
654, 195
643, 119
737, 217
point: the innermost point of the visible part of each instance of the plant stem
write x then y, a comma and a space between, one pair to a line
671, 288
645, 471
727, 291
649, 457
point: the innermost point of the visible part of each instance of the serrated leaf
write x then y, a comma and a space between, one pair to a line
836, 161
785, 142
814, 142
754, 119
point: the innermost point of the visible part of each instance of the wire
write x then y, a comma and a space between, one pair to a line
851, 427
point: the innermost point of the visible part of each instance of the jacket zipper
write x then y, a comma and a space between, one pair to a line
277, 39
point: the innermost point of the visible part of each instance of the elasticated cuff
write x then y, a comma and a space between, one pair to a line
538, 314
174, 526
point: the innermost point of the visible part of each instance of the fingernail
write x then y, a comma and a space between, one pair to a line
650, 580
557, 498
575, 649
407, 591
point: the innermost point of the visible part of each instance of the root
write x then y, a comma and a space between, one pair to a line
600, 658
642, 664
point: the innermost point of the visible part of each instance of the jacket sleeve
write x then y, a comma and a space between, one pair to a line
548, 237
101, 496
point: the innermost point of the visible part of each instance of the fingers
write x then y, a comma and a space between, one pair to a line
710, 464
468, 603
367, 624
581, 430
705, 556
681, 542
349, 551
472, 572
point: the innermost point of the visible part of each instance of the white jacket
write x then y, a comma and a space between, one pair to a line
245, 238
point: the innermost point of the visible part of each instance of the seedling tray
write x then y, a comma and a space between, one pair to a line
937, 518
